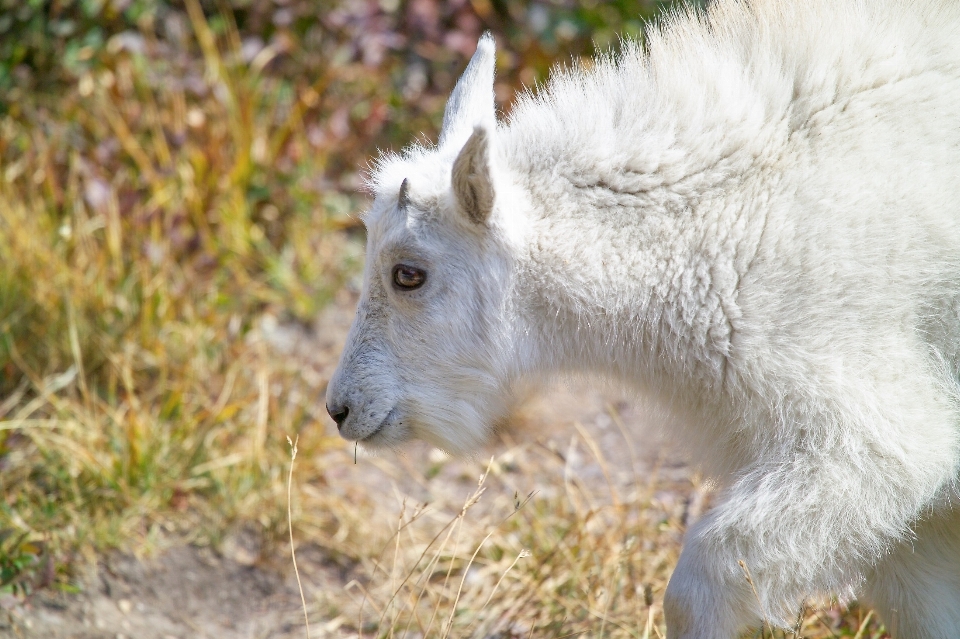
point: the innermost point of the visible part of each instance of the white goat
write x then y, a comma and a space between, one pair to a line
756, 218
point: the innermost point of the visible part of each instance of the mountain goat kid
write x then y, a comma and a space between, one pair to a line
756, 217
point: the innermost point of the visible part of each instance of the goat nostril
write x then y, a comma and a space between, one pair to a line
339, 414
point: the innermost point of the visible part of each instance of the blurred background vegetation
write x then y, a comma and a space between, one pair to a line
171, 173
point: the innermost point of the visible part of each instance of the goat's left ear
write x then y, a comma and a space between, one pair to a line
471, 179
471, 103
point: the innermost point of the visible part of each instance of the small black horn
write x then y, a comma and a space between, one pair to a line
404, 198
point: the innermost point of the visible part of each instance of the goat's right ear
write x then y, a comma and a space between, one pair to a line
471, 179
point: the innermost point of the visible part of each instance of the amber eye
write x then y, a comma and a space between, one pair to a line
408, 278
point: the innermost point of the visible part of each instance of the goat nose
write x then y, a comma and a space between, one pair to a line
338, 413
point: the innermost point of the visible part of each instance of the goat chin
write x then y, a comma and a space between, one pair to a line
755, 217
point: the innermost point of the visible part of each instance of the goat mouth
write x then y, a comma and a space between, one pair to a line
378, 431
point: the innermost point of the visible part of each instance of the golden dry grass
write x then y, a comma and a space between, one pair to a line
138, 256
532, 550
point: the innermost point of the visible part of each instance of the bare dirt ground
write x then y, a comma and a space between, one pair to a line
234, 592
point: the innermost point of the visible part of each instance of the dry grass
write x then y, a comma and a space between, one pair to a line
532, 550
151, 231
146, 230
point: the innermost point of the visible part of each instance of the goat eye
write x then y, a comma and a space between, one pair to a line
408, 278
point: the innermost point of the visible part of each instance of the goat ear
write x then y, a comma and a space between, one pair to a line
471, 102
471, 181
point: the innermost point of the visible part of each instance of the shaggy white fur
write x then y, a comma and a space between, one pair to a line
757, 219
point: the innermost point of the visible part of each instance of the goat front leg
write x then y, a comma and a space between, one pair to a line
916, 587
812, 522
704, 598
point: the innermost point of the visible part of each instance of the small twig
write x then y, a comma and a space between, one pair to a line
376, 566
466, 572
445, 632
610, 595
293, 552
766, 622
393, 570
863, 626
648, 600
799, 624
